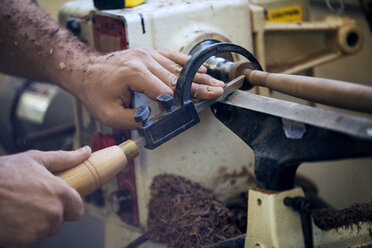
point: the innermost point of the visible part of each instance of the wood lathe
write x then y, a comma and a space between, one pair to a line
208, 151
282, 136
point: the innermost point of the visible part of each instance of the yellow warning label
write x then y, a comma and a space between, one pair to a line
285, 14
133, 3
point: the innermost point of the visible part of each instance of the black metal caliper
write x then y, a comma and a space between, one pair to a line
181, 113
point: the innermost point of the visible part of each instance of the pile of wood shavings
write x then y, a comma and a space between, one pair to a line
184, 214
326, 218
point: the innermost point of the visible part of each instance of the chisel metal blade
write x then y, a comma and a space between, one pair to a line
229, 88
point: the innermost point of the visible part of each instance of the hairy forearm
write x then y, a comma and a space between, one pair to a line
34, 46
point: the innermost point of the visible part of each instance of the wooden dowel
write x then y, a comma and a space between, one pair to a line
326, 91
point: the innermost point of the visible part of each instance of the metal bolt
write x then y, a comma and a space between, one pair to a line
166, 101
142, 114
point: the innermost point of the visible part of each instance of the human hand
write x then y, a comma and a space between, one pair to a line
104, 83
33, 202
109, 81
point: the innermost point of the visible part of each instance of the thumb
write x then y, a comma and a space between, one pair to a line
62, 160
123, 118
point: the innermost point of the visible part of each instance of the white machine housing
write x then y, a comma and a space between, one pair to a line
208, 150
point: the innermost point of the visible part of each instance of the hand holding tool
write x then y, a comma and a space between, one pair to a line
105, 164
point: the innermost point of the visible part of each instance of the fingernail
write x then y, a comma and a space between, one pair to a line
216, 82
87, 148
214, 90
203, 68
174, 81
178, 69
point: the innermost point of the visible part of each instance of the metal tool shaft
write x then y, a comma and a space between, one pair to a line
345, 123
229, 88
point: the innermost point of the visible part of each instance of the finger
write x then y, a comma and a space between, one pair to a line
168, 64
62, 160
56, 224
180, 59
200, 91
163, 74
176, 70
153, 85
73, 204
120, 118
208, 80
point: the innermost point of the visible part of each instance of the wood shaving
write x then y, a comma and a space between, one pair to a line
185, 214
327, 218
62, 65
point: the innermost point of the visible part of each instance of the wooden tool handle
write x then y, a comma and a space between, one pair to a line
326, 91
99, 168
